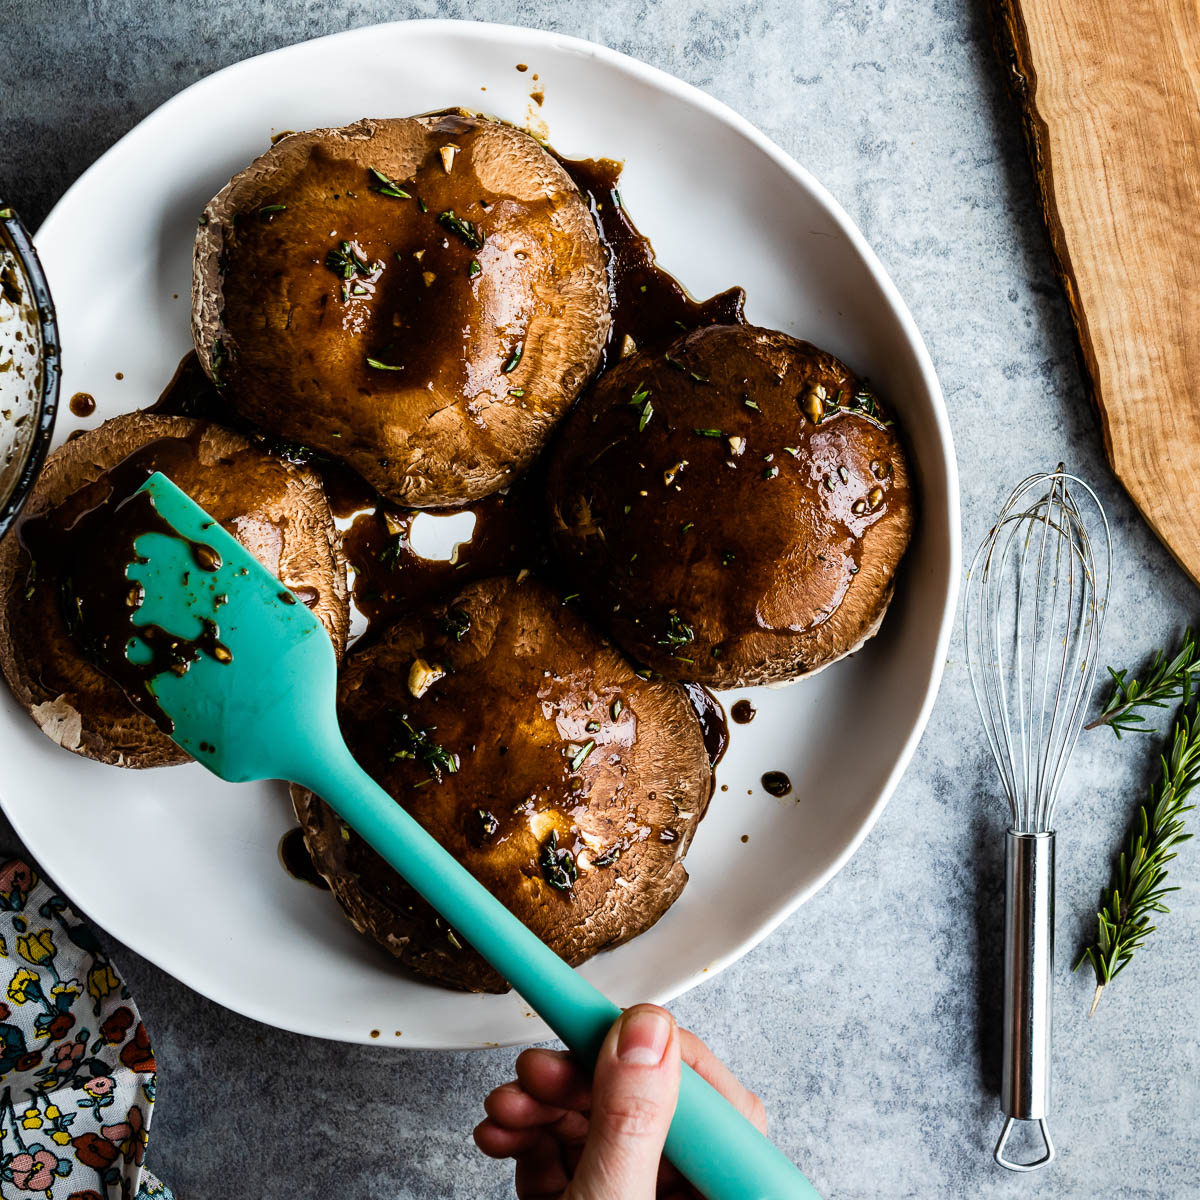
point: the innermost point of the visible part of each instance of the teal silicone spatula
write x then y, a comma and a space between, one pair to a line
246, 681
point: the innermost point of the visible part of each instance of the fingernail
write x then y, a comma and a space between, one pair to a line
643, 1039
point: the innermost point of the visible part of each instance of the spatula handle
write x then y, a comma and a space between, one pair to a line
711, 1144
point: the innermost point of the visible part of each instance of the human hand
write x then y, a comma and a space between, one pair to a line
575, 1137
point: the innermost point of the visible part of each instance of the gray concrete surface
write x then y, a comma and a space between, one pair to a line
869, 1021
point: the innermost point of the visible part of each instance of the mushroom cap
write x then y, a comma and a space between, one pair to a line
487, 331
716, 531
276, 511
527, 689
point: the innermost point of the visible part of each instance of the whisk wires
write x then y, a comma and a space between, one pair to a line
1033, 612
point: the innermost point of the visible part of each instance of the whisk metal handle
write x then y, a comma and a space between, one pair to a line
1028, 981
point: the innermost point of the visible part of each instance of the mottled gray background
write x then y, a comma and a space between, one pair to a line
868, 1022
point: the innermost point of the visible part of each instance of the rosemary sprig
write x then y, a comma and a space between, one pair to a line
1165, 682
1136, 889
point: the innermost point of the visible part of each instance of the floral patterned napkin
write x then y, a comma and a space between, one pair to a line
76, 1068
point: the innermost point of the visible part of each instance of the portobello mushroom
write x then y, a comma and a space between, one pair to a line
421, 298
276, 511
528, 747
733, 510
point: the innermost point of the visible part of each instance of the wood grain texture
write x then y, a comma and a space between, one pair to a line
1110, 95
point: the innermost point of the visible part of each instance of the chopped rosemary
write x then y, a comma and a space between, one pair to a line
456, 624
513, 359
558, 865
413, 743
609, 857
580, 755
678, 633
468, 231
388, 187
382, 366
346, 262
268, 211
216, 363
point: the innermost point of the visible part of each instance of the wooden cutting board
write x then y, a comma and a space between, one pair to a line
1110, 94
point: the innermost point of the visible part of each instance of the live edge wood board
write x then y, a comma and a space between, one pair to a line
1110, 95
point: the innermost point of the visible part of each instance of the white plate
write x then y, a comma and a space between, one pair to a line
182, 867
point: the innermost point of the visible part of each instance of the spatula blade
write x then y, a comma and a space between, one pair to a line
268, 668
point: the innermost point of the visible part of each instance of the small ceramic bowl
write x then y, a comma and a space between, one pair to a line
29, 365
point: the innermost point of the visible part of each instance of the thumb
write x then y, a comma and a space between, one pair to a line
633, 1099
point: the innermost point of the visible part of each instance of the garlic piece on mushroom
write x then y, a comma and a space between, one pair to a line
448, 152
422, 676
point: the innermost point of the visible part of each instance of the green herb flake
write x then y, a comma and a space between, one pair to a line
580, 755
268, 211
517, 392
647, 413
609, 857
387, 187
793, 451
616, 708
409, 742
687, 526
712, 433
751, 404
468, 231
558, 866
382, 366
456, 624
510, 364
770, 472
473, 268
346, 262
592, 727
677, 634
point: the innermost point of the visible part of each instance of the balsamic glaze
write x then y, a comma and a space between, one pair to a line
712, 721
82, 404
648, 305
743, 712
776, 783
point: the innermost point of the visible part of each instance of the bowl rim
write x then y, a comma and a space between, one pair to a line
51, 364
944, 472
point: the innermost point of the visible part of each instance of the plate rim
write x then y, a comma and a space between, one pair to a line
947, 471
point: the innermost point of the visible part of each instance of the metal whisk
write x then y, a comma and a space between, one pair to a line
1033, 611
